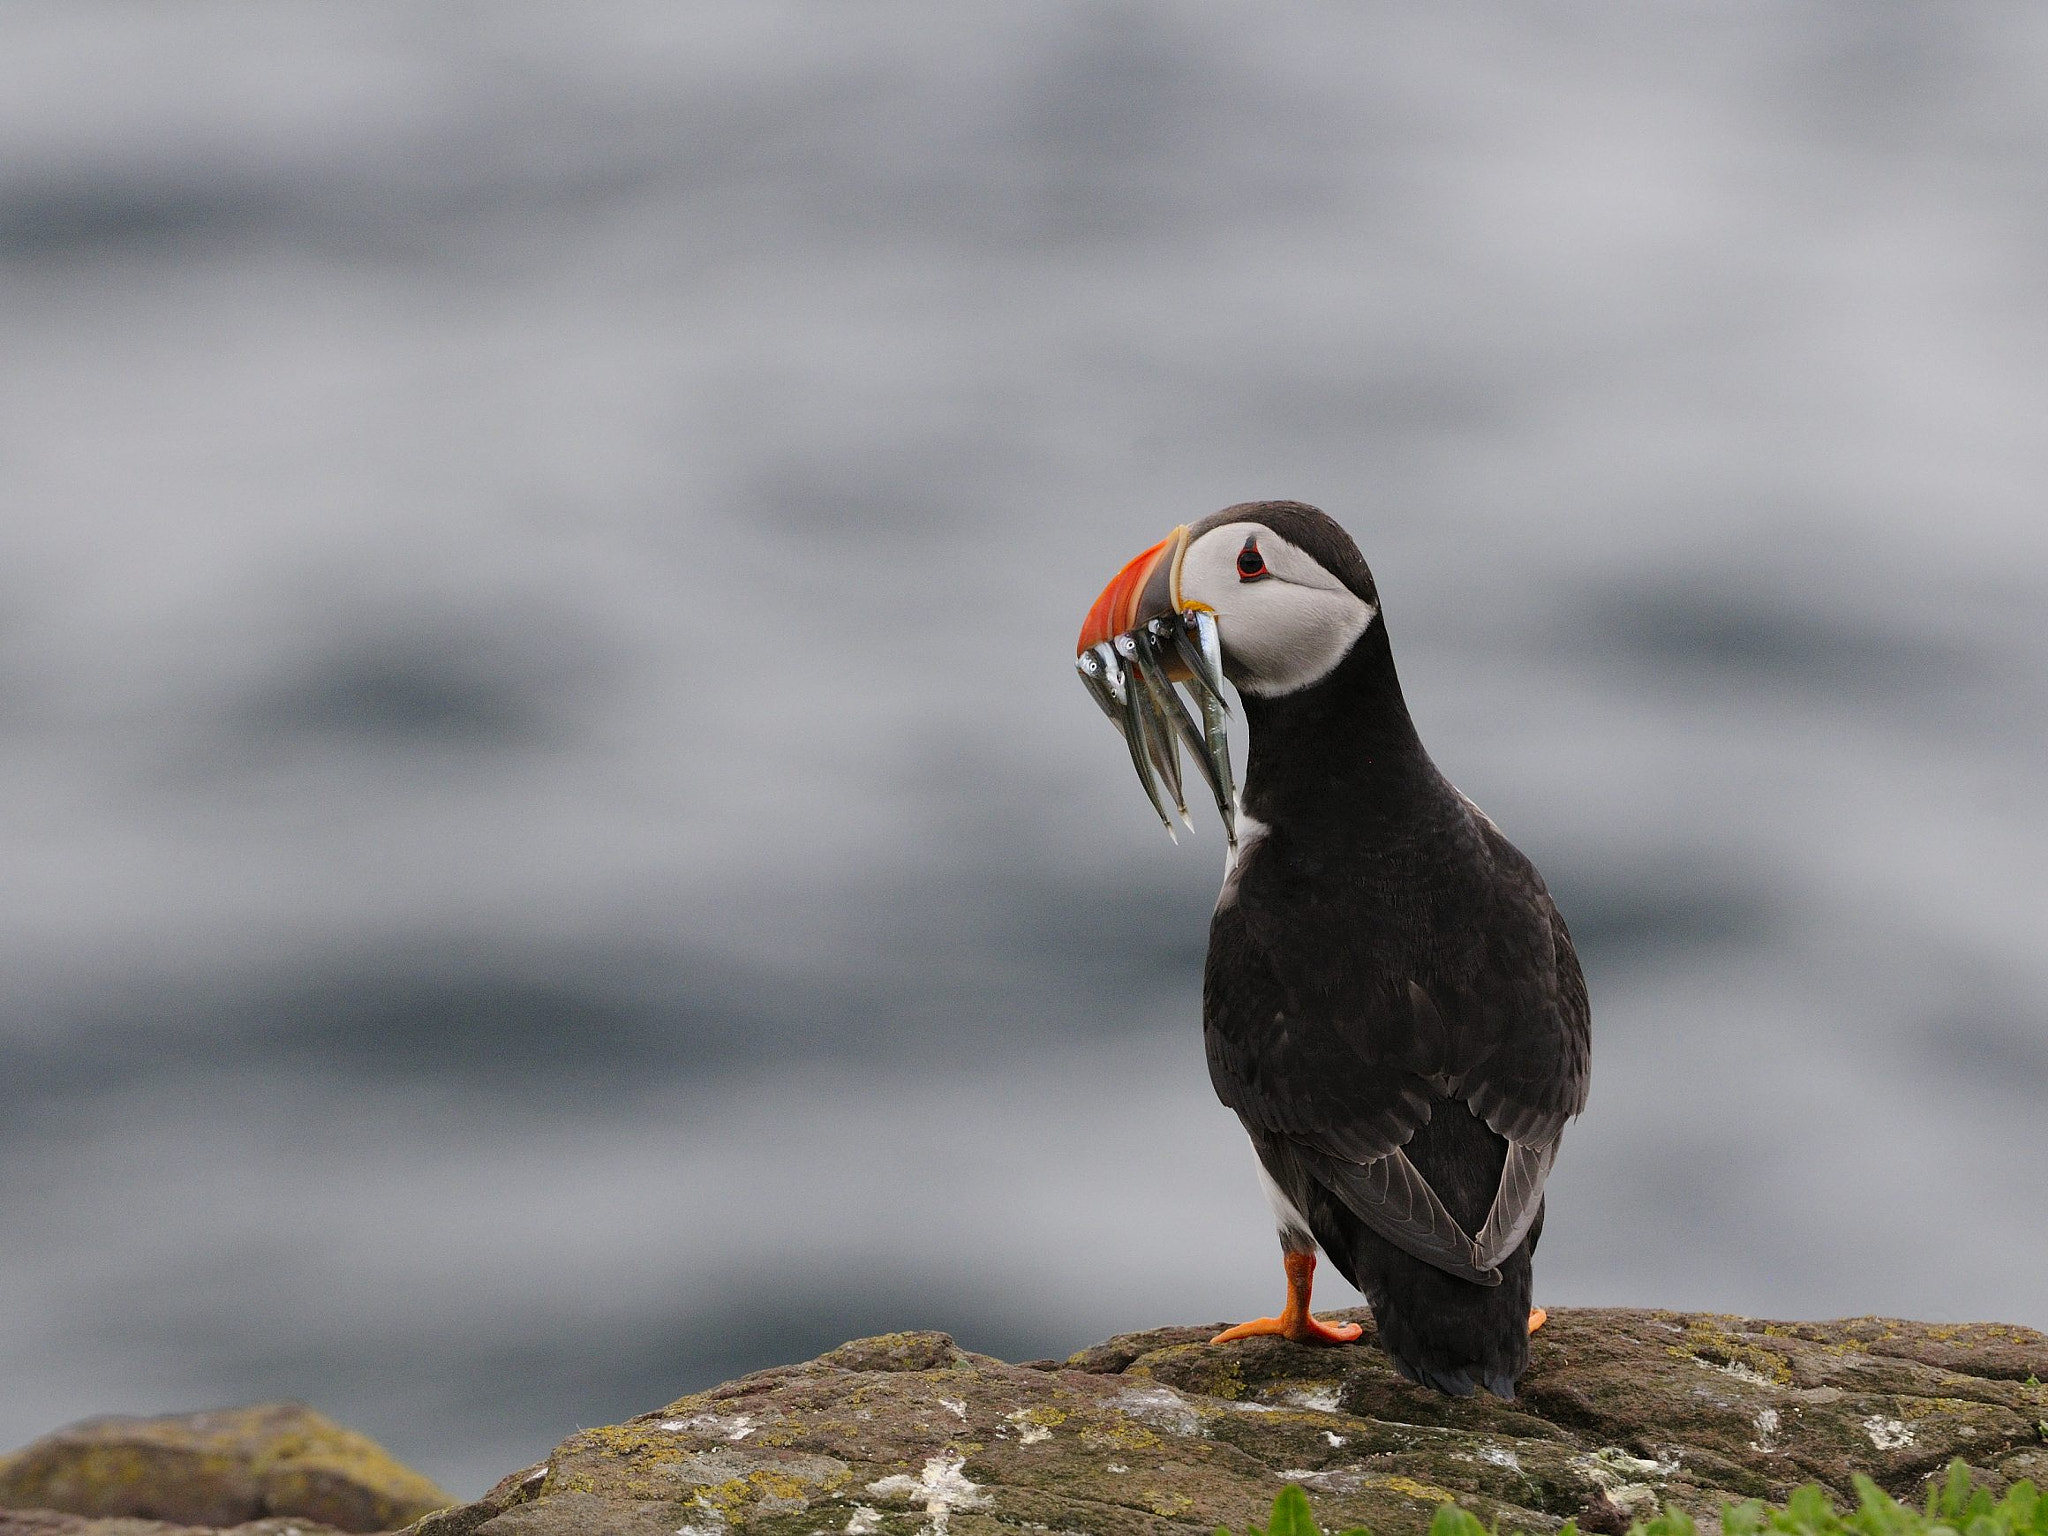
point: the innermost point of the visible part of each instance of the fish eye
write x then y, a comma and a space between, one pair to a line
1251, 565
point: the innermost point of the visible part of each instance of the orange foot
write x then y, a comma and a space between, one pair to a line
1294, 1321
1303, 1330
1537, 1318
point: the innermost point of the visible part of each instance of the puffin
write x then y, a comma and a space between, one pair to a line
1390, 1002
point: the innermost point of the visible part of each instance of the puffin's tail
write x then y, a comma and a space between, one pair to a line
1440, 1331
1449, 1334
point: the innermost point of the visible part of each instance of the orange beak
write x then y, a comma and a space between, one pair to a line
1148, 587
1136, 643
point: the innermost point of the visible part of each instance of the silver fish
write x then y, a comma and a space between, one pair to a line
1187, 644
1128, 679
1152, 646
1105, 691
1216, 720
1148, 679
1112, 671
1136, 737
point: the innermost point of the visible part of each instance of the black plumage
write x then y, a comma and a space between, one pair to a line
1392, 1006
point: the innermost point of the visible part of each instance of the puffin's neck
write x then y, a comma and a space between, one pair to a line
1340, 757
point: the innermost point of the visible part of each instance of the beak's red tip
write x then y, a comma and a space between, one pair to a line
1114, 611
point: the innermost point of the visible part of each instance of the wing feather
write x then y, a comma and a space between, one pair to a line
1516, 1203
1328, 1083
1390, 1195
1337, 1042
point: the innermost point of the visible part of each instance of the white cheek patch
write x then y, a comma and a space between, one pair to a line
1284, 632
1320, 633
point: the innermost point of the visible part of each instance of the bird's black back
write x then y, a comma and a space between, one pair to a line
1386, 971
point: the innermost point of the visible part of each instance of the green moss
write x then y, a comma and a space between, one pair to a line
1955, 1507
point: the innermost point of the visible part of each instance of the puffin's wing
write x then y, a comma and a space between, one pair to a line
1311, 1035
1522, 1042
1333, 1075
1519, 1025
1517, 1201
1332, 1090
1390, 1195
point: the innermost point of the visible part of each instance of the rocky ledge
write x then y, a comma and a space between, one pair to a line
277, 1469
1160, 1432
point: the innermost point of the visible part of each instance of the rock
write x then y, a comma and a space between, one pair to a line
1161, 1433
49, 1522
226, 1469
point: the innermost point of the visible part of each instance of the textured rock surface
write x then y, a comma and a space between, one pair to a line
50, 1522
1160, 1432
211, 1471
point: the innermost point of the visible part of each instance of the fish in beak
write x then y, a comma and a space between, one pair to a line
1138, 642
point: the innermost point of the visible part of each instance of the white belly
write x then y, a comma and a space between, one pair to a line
1287, 1218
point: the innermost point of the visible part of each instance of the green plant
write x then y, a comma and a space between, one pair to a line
1953, 1505
1954, 1508
1453, 1521
1292, 1517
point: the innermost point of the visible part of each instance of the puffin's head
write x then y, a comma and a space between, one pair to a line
1289, 591
1271, 594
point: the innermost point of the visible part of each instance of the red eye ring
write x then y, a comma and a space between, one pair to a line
1251, 565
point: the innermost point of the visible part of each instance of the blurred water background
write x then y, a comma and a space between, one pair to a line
553, 851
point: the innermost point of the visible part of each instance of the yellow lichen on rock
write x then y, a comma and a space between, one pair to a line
1710, 1340
1117, 1434
1409, 1487
219, 1468
1166, 1504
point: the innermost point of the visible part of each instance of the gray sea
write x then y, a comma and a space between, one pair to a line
553, 850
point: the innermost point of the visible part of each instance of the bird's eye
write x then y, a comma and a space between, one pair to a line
1251, 565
